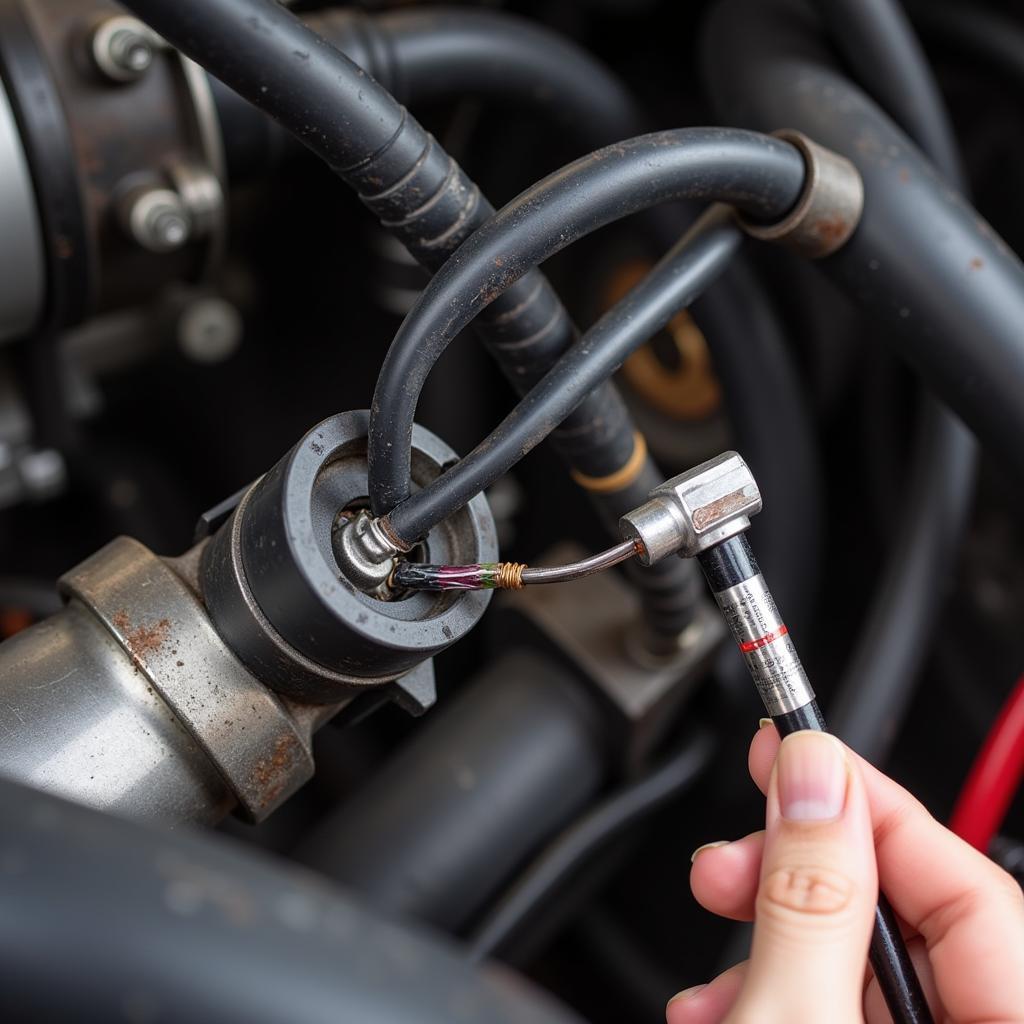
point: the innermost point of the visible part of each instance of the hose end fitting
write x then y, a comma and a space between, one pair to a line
365, 552
695, 510
829, 208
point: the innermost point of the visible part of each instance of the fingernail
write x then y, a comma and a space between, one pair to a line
763, 723
707, 846
811, 777
687, 993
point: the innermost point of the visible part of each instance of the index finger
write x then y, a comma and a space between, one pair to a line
969, 911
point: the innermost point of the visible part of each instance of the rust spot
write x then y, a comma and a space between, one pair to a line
724, 506
977, 263
270, 774
63, 247
831, 229
142, 639
904, 176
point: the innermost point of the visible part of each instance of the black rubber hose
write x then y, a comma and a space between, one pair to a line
874, 692
623, 810
688, 268
974, 30
878, 43
107, 919
440, 828
920, 261
761, 175
433, 54
421, 195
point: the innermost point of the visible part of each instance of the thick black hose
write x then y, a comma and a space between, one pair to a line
623, 810
439, 829
975, 30
106, 919
421, 195
694, 262
761, 175
924, 263
874, 692
424, 55
878, 43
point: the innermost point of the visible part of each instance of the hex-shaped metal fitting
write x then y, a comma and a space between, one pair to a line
695, 510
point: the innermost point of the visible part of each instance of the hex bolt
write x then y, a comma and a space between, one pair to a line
123, 49
157, 218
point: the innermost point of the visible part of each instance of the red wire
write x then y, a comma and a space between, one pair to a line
994, 776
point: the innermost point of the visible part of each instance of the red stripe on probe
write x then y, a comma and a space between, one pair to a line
763, 641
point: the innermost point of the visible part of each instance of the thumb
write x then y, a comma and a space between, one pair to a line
818, 888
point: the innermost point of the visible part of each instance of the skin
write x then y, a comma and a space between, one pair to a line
810, 887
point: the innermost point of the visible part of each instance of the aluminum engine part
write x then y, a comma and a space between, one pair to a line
272, 582
128, 700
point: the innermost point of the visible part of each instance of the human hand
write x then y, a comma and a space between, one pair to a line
810, 884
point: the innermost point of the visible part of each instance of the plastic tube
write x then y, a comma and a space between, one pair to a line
675, 282
761, 175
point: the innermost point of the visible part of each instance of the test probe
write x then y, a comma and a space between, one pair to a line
704, 513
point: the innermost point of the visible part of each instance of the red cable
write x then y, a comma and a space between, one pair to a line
994, 776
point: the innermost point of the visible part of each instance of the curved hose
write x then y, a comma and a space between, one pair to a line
436, 53
106, 919
762, 176
422, 197
675, 282
868, 706
910, 261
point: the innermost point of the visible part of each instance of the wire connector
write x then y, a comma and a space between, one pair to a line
695, 510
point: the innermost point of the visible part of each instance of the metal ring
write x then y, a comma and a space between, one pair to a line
829, 208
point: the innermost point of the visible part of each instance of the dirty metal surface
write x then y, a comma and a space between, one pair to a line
247, 733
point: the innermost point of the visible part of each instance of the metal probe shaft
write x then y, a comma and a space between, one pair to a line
771, 657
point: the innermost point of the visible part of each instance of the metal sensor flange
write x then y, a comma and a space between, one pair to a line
695, 510
829, 208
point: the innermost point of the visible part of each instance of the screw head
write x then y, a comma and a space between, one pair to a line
123, 48
157, 219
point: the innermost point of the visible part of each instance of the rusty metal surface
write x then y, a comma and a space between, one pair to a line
594, 626
247, 733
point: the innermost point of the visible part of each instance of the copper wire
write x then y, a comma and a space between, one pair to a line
509, 576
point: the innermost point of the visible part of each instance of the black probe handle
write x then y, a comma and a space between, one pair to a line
887, 953
728, 566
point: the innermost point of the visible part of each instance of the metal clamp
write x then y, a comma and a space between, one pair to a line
242, 727
829, 208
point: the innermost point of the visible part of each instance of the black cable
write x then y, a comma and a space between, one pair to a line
421, 195
761, 175
779, 677
695, 261
436, 53
623, 810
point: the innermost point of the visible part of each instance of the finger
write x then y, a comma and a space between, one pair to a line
875, 1010
707, 1004
969, 911
818, 888
724, 878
